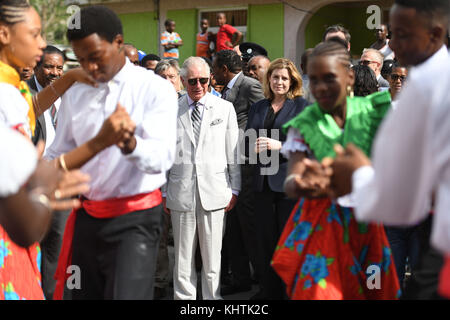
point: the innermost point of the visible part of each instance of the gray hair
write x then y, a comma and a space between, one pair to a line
165, 64
191, 61
378, 55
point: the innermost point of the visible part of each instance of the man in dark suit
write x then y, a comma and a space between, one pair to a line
242, 92
47, 70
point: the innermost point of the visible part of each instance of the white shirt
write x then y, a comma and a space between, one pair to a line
387, 51
152, 104
18, 161
13, 108
411, 155
49, 129
201, 105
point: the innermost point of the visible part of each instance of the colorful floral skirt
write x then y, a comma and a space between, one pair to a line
323, 253
20, 277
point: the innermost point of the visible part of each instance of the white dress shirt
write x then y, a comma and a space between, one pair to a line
49, 129
152, 104
201, 105
411, 155
13, 108
18, 161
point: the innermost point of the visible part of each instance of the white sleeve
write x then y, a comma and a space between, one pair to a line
401, 182
17, 163
156, 142
13, 108
64, 141
294, 143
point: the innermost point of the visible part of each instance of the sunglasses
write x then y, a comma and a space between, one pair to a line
193, 81
366, 62
395, 77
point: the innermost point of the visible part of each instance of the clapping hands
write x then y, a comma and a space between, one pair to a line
330, 178
118, 129
312, 182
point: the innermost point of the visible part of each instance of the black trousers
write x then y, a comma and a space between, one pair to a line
273, 210
424, 281
240, 232
50, 248
117, 256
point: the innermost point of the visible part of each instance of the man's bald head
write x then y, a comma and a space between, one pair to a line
257, 67
132, 53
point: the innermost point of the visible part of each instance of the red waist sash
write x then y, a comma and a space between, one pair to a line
444, 279
103, 209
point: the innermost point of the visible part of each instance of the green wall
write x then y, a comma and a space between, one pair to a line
141, 30
187, 28
354, 19
265, 26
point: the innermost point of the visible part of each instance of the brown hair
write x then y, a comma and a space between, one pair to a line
295, 90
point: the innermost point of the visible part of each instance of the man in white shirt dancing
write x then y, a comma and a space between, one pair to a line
410, 154
114, 239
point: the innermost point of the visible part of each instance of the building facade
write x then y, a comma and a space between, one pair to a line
284, 28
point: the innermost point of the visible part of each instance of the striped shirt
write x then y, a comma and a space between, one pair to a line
168, 38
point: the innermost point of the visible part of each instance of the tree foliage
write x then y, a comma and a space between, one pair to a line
54, 19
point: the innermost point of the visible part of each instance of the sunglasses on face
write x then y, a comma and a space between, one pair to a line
366, 62
395, 77
193, 81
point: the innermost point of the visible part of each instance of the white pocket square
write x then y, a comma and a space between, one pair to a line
217, 121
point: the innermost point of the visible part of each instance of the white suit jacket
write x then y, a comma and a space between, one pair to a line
212, 165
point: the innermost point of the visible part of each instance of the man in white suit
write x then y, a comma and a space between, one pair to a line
204, 182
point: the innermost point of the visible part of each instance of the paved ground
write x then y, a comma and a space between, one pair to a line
238, 296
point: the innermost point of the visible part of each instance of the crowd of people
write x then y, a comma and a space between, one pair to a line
297, 180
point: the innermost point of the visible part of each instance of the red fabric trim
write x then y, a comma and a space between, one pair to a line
444, 279
109, 208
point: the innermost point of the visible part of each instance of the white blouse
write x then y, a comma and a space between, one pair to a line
18, 161
13, 109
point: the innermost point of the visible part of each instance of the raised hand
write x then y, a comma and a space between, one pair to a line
264, 143
72, 183
79, 75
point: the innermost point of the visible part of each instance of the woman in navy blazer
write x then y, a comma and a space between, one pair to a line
283, 92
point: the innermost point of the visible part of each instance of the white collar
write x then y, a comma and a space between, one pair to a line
233, 81
202, 101
38, 85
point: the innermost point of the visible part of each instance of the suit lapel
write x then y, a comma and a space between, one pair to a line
284, 114
186, 119
233, 92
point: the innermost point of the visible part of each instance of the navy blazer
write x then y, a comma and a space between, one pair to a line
256, 117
